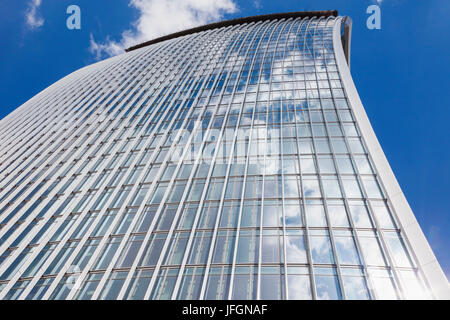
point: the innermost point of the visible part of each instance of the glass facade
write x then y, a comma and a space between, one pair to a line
222, 164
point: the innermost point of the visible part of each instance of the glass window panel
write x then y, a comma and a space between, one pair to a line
321, 249
164, 284
372, 188
344, 164
339, 145
307, 164
326, 164
363, 165
223, 248
271, 283
299, 286
200, 247
292, 214
208, 215
311, 187
295, 249
337, 214
230, 214
191, 284
218, 283
327, 284
272, 213
371, 249
360, 215
248, 246
397, 249
291, 187
382, 214
315, 214
356, 145
245, 283
322, 145
351, 187
305, 146
346, 248
383, 284
355, 288
251, 214
331, 187
272, 248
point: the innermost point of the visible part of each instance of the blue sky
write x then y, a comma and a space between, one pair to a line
401, 71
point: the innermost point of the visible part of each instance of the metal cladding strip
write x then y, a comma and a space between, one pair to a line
144, 90
345, 198
276, 28
212, 75
246, 43
271, 57
303, 27
309, 258
99, 250
32, 113
15, 148
188, 185
65, 117
384, 247
302, 188
26, 113
99, 192
44, 147
128, 279
100, 287
188, 248
83, 130
322, 191
8, 122
54, 228
287, 25
232, 46
310, 21
213, 239
46, 150
69, 118
232, 156
386, 256
426, 259
69, 175
157, 214
283, 200
168, 191
24, 108
49, 182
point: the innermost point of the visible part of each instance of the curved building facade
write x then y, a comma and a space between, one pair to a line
230, 161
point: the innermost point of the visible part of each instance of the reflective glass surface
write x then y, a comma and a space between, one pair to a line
224, 164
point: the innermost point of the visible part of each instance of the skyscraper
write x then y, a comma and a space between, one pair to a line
229, 161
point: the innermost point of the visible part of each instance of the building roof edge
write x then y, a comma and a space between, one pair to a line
226, 23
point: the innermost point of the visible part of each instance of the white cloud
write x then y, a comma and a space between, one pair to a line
161, 17
32, 17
